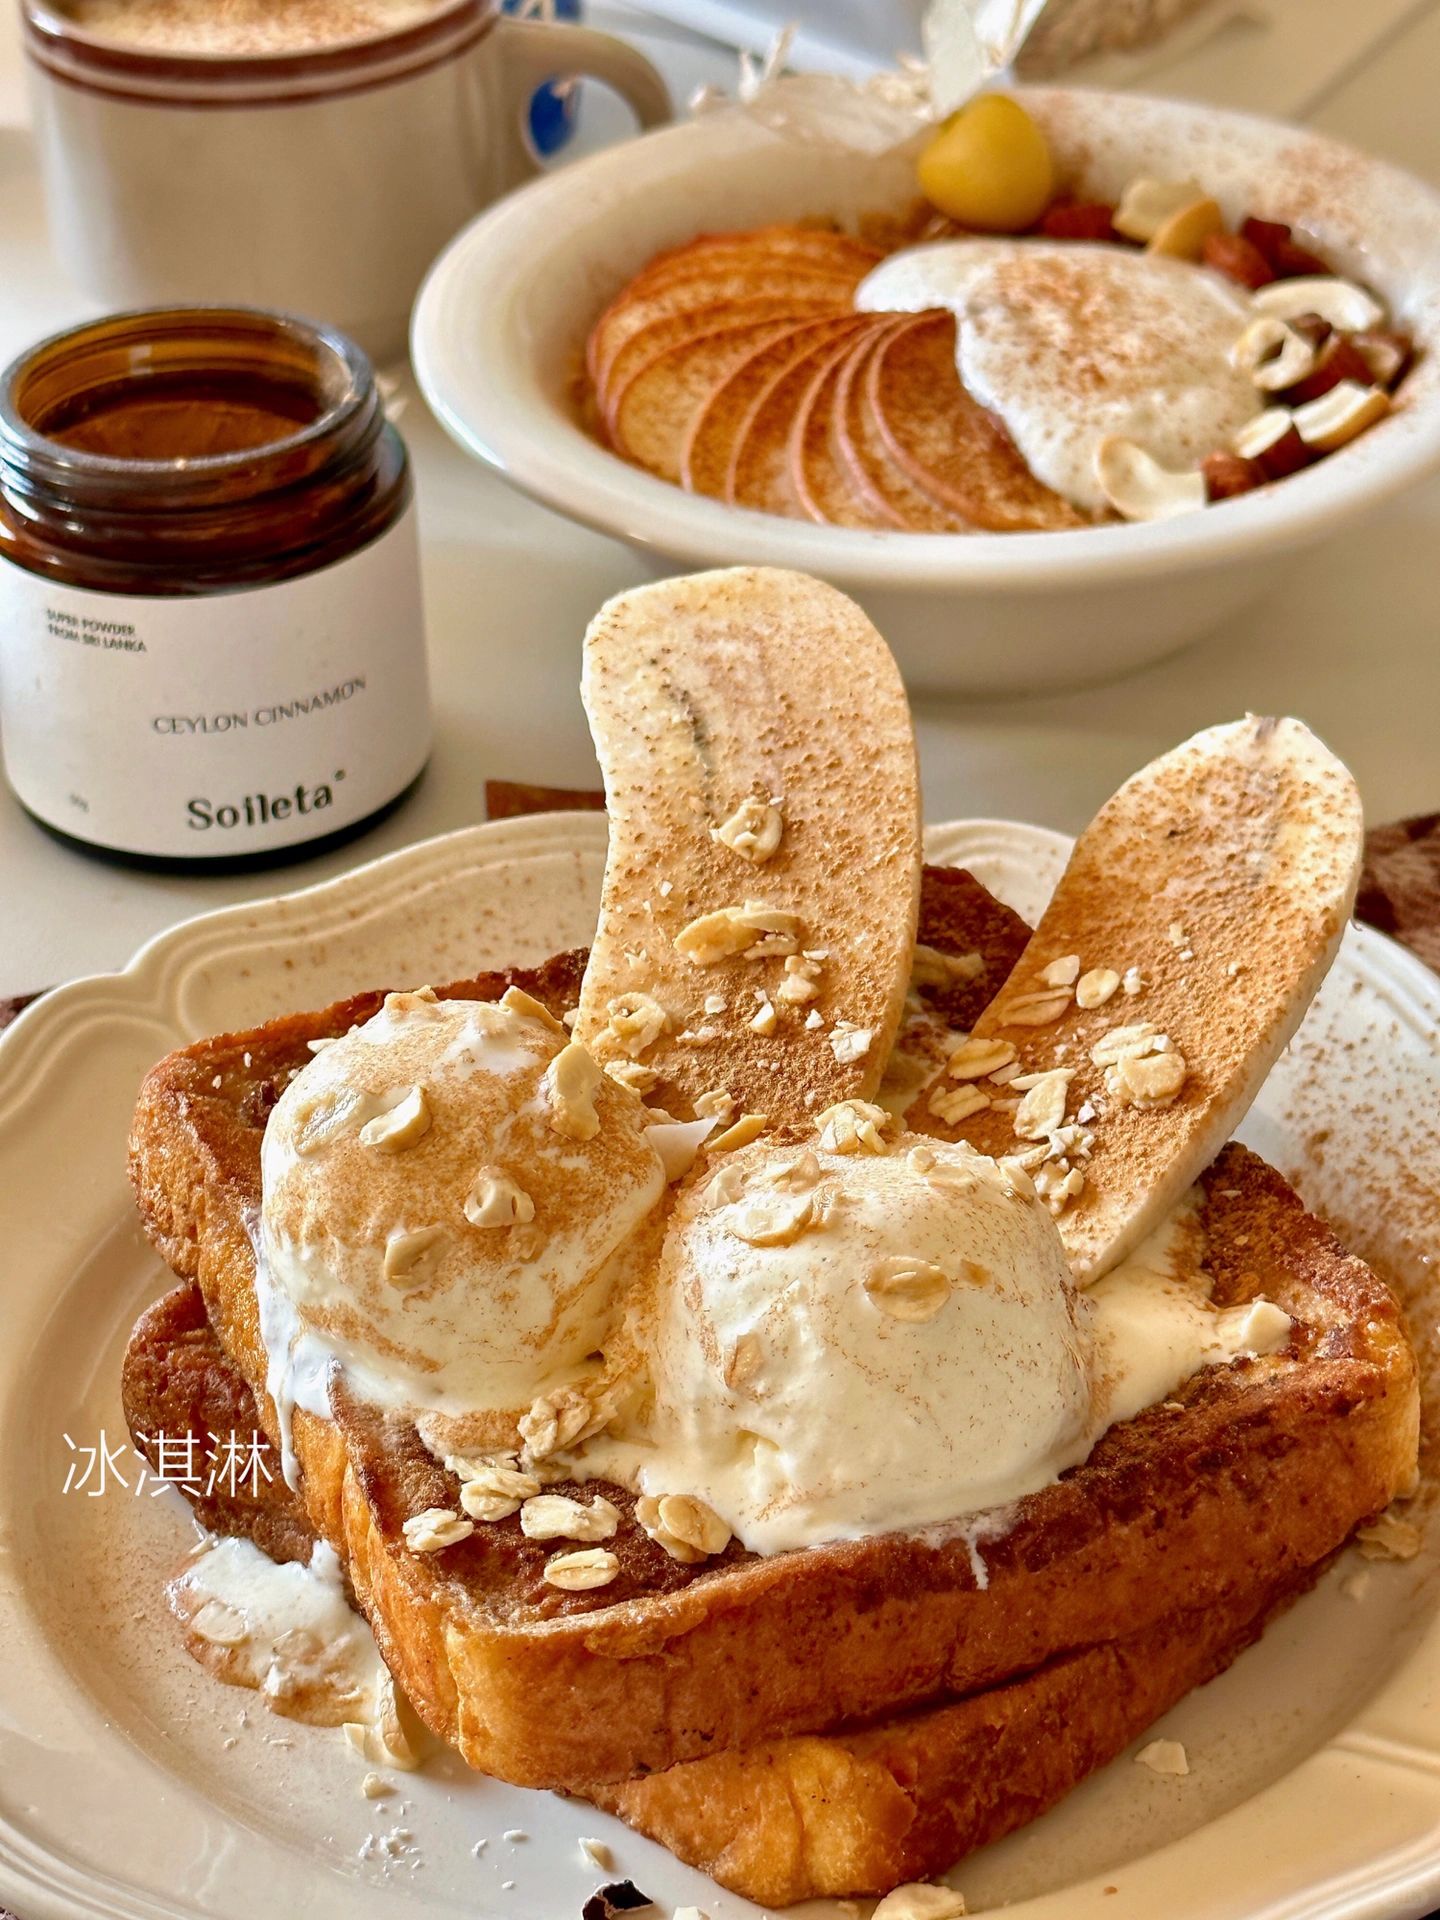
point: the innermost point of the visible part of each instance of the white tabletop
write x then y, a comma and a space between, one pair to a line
1349, 645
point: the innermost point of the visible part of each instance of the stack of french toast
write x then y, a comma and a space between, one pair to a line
854, 1714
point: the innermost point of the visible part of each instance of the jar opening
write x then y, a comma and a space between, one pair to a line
179, 396
192, 449
179, 415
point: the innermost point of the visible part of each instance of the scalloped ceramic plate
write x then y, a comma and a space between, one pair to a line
132, 1785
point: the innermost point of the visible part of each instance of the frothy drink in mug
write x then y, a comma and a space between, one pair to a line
310, 156
244, 26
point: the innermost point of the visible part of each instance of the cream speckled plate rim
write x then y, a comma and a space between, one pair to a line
235, 964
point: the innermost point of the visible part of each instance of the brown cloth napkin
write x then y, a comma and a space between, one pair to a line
1399, 889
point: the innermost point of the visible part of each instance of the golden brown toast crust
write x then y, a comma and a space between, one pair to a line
859, 1813
1254, 1473
176, 1382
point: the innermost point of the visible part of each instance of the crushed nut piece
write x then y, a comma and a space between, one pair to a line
572, 1081
1058, 1185
979, 1059
743, 1361
813, 1020
1097, 986
852, 1126
635, 1021
752, 929
495, 1200
580, 1572
1148, 1081
494, 1492
753, 830
692, 1522
1389, 1538
401, 1125
435, 1528
920, 1901
765, 1021
850, 1043
798, 1175
412, 1256
647, 1513
907, 1288
1121, 1042
597, 1853
954, 1104
727, 1186
951, 1177
715, 1105
1164, 1756
773, 1223
557, 1420
555, 1516
747, 1128
800, 981
1043, 1108
1036, 1009
929, 967
1063, 972
419, 1000
633, 1074
920, 1159
516, 1000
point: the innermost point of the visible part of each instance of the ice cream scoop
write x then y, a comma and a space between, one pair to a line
847, 1343
449, 1193
887, 1335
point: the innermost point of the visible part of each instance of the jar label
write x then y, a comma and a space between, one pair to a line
217, 724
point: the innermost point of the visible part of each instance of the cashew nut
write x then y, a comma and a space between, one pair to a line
1339, 415
1272, 353
1138, 487
1146, 205
1339, 302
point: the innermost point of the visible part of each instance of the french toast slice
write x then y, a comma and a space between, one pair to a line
850, 1812
1252, 1474
862, 1812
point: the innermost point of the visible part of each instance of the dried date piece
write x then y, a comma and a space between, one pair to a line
1286, 258
1080, 220
1238, 259
1230, 474
1339, 360
1387, 353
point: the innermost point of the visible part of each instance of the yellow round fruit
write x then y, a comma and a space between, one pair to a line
988, 166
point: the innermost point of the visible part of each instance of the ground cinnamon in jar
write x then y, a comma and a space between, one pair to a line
211, 631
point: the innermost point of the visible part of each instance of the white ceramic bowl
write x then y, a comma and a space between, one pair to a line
502, 318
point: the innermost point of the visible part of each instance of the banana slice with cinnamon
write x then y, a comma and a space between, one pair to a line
1199, 913
762, 883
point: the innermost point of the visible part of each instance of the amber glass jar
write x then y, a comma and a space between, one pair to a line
211, 633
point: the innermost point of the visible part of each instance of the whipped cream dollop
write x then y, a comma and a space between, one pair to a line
842, 1345
444, 1215
1069, 343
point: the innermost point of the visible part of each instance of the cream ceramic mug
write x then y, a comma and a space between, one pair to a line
301, 164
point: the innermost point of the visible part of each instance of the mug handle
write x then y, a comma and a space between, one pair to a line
535, 52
